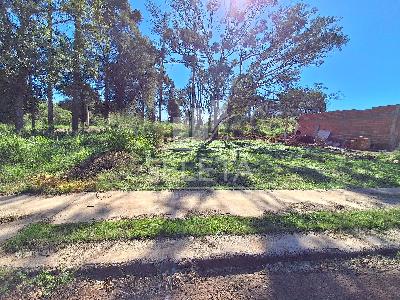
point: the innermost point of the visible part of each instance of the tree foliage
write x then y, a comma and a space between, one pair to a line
228, 43
241, 55
92, 52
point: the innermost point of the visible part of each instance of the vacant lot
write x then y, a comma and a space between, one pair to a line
114, 161
255, 165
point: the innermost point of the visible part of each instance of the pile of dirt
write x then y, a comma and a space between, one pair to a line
97, 164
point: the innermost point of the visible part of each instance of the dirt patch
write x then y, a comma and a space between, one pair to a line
97, 164
10, 219
373, 277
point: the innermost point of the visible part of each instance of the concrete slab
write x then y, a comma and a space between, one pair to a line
206, 248
177, 204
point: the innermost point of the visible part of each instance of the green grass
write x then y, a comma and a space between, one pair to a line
26, 161
39, 164
254, 165
21, 281
44, 234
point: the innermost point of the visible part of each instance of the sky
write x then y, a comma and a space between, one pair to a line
366, 72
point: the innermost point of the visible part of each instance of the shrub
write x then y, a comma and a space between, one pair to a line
275, 126
5, 129
12, 148
62, 117
17, 149
127, 128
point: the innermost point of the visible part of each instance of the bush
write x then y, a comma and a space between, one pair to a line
121, 139
127, 128
5, 129
275, 126
17, 149
62, 117
269, 128
12, 148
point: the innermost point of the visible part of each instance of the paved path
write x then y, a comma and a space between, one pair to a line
85, 207
209, 248
89, 206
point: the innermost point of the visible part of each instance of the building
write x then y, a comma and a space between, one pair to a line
381, 125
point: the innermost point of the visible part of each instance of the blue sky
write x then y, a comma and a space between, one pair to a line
367, 71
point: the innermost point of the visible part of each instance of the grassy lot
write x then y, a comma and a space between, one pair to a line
42, 234
118, 159
254, 165
66, 163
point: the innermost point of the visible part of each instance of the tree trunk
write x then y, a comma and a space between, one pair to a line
209, 119
216, 112
50, 106
190, 117
85, 117
19, 113
120, 94
106, 97
33, 121
160, 90
214, 133
192, 103
19, 102
160, 101
75, 108
143, 109
286, 127
77, 80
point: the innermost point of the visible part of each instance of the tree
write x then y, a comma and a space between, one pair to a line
299, 100
112, 19
127, 77
50, 65
243, 99
21, 58
270, 42
81, 75
303, 100
180, 38
55, 51
173, 103
88, 51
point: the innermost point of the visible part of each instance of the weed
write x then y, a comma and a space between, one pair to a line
45, 281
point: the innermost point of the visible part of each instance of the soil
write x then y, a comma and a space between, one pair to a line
97, 164
365, 278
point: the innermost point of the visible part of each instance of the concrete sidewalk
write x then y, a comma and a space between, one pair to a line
176, 204
228, 249
213, 250
86, 207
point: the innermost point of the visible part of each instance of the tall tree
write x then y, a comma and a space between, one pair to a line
21, 58
270, 42
80, 71
173, 109
127, 74
50, 64
77, 11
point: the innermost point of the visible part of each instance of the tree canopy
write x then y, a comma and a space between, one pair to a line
241, 56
